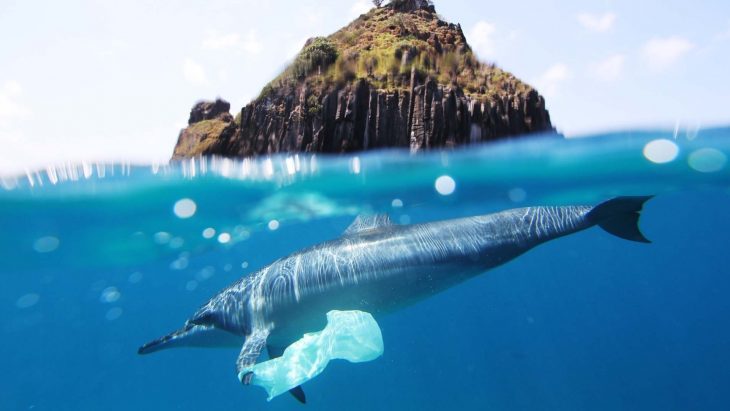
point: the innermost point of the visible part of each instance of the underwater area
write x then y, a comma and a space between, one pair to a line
97, 259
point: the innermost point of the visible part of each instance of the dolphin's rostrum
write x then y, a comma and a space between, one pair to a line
379, 267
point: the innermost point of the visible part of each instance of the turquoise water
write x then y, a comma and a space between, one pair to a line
97, 259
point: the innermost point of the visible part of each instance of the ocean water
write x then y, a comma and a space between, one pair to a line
97, 259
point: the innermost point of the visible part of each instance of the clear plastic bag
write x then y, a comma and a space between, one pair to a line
349, 335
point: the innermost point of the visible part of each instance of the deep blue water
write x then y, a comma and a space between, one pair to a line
94, 262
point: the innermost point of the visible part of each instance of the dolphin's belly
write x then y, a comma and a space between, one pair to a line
378, 272
380, 292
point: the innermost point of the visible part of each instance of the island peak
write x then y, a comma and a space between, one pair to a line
397, 76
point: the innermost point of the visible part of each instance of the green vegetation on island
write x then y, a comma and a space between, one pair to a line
388, 45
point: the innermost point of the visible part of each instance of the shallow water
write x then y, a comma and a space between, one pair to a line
98, 259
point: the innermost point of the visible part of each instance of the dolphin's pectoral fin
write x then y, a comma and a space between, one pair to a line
250, 352
297, 392
367, 223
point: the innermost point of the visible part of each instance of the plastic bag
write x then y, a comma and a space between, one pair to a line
349, 335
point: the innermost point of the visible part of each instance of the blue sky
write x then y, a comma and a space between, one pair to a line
85, 80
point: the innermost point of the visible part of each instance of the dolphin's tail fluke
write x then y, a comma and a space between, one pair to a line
620, 217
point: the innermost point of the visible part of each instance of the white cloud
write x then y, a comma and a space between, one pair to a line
314, 18
194, 73
550, 81
597, 22
13, 88
10, 109
610, 68
481, 37
557, 72
251, 43
216, 41
234, 41
112, 49
661, 53
223, 75
724, 35
360, 7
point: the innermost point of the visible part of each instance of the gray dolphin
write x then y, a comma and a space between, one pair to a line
379, 267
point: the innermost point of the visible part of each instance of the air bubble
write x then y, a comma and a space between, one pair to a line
176, 243
135, 277
707, 160
517, 195
110, 295
46, 244
27, 300
205, 274
185, 208
162, 238
445, 185
661, 151
114, 314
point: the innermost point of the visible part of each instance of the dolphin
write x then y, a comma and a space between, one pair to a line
379, 267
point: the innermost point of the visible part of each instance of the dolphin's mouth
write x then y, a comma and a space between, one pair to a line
166, 341
192, 335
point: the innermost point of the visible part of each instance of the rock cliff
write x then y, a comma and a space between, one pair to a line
395, 77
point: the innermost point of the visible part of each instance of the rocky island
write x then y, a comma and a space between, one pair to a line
398, 76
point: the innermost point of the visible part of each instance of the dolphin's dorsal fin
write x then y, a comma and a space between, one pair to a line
369, 222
